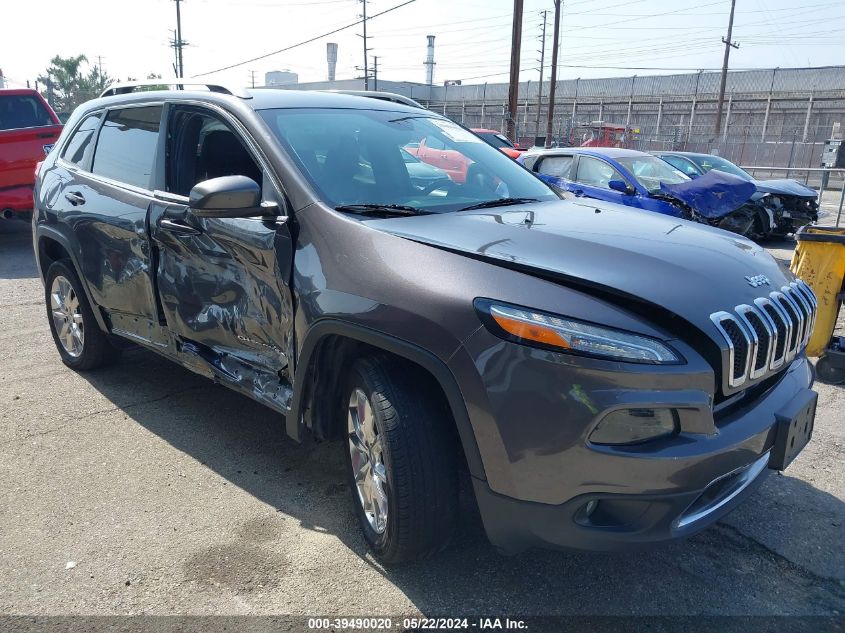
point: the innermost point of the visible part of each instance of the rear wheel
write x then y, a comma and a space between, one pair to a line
81, 343
401, 460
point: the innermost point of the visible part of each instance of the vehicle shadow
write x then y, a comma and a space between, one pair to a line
16, 261
720, 571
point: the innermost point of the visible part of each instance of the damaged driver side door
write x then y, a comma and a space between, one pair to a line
223, 282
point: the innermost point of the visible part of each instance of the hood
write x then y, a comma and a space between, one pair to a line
713, 195
785, 188
687, 268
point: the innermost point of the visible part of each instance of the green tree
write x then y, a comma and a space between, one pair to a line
67, 83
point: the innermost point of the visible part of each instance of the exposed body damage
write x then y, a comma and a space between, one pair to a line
779, 206
600, 373
633, 178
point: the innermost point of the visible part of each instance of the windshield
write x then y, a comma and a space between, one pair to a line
715, 162
359, 157
650, 171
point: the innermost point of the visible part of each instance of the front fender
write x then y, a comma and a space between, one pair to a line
294, 424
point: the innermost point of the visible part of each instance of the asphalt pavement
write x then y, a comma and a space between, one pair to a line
146, 489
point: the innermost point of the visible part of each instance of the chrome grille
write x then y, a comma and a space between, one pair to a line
764, 336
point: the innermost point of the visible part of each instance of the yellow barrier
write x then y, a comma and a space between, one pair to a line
819, 260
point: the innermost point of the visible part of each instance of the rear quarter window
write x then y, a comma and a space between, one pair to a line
557, 166
126, 147
77, 147
22, 111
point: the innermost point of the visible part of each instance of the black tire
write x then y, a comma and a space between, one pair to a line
828, 372
419, 453
96, 349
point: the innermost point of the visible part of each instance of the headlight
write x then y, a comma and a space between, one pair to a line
539, 329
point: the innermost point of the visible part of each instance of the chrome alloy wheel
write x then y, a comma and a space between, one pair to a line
67, 316
366, 449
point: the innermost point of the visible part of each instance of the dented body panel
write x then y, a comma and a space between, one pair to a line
259, 303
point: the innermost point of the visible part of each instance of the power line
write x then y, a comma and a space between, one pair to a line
302, 43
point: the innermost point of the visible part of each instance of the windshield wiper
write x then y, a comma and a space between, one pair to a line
381, 209
499, 202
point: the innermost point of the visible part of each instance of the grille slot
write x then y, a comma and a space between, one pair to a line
762, 337
795, 322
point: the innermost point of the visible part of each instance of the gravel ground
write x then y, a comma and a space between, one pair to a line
147, 489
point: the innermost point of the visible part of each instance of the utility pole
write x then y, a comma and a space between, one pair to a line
513, 86
540, 88
553, 81
178, 43
728, 46
366, 71
375, 72
252, 78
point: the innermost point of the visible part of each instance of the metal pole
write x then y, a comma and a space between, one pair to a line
659, 117
180, 64
728, 45
841, 201
375, 72
630, 104
513, 85
540, 89
575, 105
525, 108
553, 78
728, 118
807, 119
366, 71
768, 107
483, 103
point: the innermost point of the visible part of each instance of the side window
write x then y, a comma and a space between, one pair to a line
681, 164
22, 111
77, 146
557, 166
595, 172
126, 147
201, 147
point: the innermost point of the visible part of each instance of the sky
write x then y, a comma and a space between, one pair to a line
599, 38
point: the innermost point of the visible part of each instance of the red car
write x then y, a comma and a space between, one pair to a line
28, 129
500, 142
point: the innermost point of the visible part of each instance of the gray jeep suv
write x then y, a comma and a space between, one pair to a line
607, 377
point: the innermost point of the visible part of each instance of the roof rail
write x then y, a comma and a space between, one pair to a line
132, 86
381, 95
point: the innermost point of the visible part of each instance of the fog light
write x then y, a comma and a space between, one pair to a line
631, 426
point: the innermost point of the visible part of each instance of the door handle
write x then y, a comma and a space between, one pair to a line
75, 198
578, 192
177, 228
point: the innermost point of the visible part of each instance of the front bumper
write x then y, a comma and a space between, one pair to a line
542, 472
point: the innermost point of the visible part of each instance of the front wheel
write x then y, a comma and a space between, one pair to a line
81, 343
401, 459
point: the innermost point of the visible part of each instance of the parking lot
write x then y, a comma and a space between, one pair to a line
144, 488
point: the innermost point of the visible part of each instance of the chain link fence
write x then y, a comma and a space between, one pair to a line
777, 117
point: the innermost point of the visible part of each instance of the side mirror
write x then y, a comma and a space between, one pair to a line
228, 197
621, 186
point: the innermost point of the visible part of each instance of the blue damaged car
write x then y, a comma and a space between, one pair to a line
640, 180
783, 205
